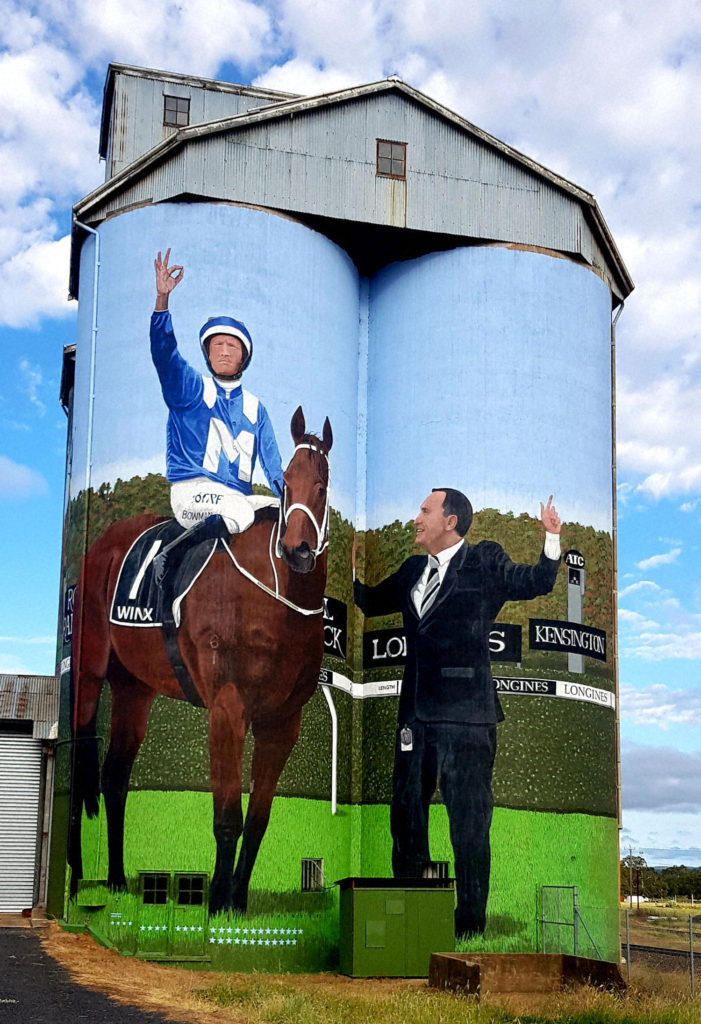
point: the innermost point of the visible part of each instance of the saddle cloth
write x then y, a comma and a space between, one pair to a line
137, 597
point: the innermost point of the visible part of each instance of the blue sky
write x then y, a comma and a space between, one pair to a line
604, 94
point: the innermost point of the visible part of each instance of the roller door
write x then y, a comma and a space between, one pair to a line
20, 788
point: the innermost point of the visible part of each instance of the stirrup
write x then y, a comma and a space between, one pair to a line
211, 528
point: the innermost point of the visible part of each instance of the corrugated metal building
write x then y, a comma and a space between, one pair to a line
28, 732
170, 137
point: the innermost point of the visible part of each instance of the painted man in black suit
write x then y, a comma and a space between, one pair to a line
449, 709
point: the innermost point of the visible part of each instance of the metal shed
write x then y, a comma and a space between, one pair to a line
28, 731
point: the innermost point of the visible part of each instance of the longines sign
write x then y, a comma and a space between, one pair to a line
387, 647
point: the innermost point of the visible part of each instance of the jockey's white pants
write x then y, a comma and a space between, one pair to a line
194, 500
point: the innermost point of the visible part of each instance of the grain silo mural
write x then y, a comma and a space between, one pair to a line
339, 560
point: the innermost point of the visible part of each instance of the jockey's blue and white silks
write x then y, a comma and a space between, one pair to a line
213, 431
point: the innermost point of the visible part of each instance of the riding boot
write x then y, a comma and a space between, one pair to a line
211, 528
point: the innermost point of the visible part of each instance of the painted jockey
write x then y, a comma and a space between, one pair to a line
216, 429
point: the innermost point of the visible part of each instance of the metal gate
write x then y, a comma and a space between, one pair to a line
561, 921
20, 788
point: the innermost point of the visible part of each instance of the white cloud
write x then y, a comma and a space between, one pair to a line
660, 706
658, 644
17, 481
636, 619
634, 588
654, 561
551, 79
194, 38
34, 283
31, 378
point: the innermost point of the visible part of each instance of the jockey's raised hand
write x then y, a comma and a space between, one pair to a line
167, 278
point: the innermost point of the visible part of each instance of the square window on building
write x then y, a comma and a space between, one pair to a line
154, 888
391, 159
191, 890
176, 111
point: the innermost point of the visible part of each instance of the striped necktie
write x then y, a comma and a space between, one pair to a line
432, 584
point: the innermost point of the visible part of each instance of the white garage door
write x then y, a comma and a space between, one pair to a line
20, 785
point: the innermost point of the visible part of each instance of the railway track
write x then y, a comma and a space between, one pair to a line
657, 951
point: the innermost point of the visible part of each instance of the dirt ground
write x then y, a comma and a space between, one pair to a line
173, 991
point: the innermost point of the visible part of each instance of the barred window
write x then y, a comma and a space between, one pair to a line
312, 874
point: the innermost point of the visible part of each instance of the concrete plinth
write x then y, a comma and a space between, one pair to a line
479, 973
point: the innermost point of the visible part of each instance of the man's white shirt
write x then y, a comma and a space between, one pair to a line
551, 549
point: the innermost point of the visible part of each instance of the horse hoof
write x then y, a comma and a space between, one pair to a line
117, 884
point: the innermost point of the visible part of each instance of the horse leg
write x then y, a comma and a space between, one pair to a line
227, 731
273, 745
131, 703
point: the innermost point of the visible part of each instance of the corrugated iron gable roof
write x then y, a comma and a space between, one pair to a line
306, 105
31, 699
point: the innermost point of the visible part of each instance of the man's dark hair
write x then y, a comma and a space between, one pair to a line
457, 504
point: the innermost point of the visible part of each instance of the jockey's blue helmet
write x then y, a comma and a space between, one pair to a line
227, 325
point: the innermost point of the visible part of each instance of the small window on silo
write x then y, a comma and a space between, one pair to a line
191, 890
154, 888
391, 159
312, 874
176, 111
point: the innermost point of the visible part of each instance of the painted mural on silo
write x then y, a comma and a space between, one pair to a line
460, 390
205, 587
491, 391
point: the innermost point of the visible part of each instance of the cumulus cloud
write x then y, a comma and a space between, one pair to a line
661, 778
634, 588
17, 481
551, 79
194, 38
654, 561
34, 284
661, 706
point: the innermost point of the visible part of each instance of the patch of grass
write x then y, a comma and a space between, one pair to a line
224, 998
554, 849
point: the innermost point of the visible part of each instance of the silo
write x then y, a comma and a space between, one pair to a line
453, 345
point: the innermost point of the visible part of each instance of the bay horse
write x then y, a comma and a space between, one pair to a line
251, 637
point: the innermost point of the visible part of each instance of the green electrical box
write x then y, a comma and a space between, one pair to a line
390, 926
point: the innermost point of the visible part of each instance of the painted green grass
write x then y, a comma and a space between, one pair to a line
172, 832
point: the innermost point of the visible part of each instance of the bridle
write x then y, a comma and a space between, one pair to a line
322, 530
322, 538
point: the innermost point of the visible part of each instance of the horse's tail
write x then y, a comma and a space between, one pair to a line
84, 687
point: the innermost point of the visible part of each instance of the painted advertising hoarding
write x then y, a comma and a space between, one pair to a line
483, 369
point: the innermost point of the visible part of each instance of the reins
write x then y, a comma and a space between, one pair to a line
322, 540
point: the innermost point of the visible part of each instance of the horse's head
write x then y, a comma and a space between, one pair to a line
304, 512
